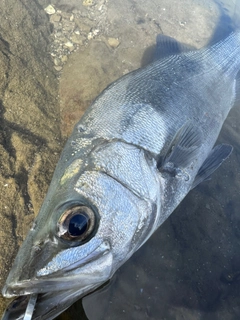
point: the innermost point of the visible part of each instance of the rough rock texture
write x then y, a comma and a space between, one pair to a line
29, 122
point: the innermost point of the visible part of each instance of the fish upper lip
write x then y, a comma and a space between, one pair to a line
100, 250
53, 281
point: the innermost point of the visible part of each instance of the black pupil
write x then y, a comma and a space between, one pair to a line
78, 225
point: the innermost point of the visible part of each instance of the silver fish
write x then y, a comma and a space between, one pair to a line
142, 145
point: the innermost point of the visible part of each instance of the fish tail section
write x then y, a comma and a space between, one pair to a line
226, 54
223, 56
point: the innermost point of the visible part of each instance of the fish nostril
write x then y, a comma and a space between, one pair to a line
36, 248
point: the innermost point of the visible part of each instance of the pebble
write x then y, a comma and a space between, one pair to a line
88, 3
58, 68
49, 9
77, 39
55, 18
68, 44
66, 15
74, 29
90, 36
113, 42
64, 59
56, 61
68, 26
83, 27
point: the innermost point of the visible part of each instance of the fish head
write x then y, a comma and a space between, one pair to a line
88, 226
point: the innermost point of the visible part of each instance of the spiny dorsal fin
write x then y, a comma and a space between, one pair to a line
216, 157
166, 46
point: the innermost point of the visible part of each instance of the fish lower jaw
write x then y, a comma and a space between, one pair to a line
19, 289
81, 278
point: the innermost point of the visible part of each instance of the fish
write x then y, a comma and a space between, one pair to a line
143, 144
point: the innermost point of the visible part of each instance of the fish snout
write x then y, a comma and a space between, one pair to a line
77, 267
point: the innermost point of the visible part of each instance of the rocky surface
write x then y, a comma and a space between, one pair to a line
29, 122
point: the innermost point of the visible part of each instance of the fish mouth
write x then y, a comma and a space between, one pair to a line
48, 305
59, 289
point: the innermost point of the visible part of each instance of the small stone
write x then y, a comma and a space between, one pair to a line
58, 68
64, 59
95, 32
49, 9
56, 61
85, 28
66, 15
56, 25
90, 36
71, 18
77, 39
68, 26
113, 42
71, 49
62, 38
88, 3
55, 18
68, 44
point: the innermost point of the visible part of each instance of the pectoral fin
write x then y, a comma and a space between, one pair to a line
213, 161
183, 149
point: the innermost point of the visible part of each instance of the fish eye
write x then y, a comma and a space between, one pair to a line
76, 224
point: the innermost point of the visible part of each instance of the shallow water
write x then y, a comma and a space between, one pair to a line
189, 269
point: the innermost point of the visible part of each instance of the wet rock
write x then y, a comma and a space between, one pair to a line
58, 68
88, 3
84, 28
64, 59
77, 39
113, 42
55, 18
50, 9
66, 15
68, 26
57, 61
29, 117
68, 44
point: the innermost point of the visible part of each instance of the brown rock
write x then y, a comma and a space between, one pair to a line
113, 42
29, 119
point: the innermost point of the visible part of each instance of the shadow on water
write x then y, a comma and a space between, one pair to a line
191, 266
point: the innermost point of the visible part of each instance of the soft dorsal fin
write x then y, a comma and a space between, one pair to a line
166, 46
216, 157
183, 148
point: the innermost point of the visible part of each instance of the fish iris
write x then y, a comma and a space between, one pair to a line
78, 225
